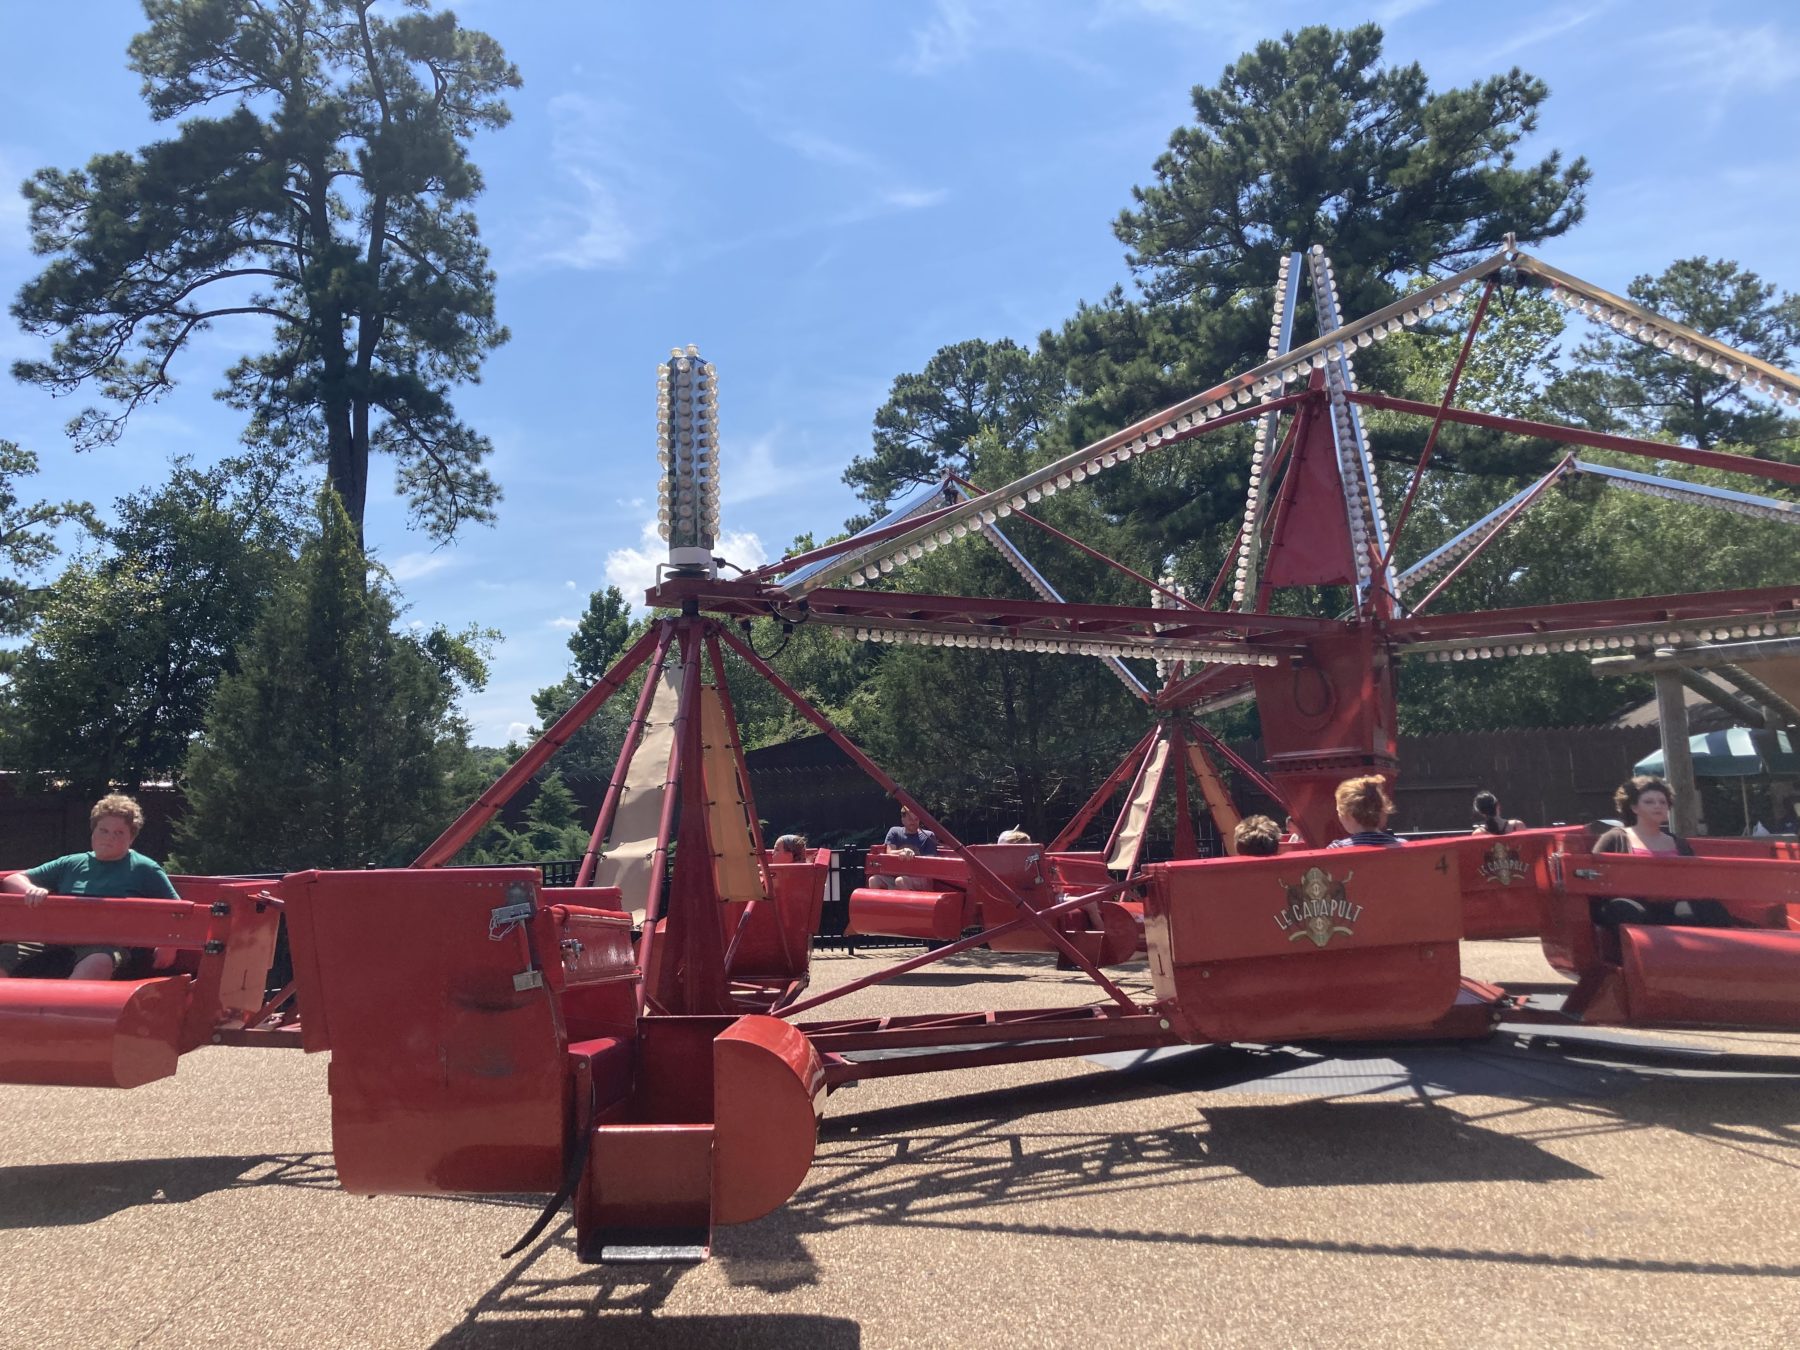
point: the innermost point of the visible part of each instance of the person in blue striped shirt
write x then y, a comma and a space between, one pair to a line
1363, 808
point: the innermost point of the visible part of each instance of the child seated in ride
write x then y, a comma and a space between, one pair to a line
112, 870
1363, 808
1256, 837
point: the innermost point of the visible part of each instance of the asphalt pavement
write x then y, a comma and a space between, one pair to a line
1514, 1192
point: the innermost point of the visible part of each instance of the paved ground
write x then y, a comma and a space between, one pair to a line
1428, 1196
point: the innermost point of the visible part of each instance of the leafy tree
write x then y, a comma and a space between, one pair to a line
926, 427
1628, 386
135, 636
1309, 140
602, 634
320, 180
27, 542
335, 742
601, 637
984, 734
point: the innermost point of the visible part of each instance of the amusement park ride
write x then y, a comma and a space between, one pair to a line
644, 1044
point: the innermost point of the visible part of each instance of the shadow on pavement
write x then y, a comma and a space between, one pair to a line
53, 1195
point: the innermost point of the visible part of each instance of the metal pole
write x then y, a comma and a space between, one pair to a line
469, 823
1499, 527
1127, 767
870, 767
665, 825
1437, 423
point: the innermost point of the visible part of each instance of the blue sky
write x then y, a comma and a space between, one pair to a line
821, 195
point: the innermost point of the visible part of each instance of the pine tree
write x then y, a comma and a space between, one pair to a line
334, 744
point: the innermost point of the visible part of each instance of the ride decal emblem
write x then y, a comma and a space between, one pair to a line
1317, 908
1502, 866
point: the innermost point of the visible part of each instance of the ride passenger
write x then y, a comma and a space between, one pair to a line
1363, 808
1256, 837
1645, 804
1488, 819
907, 840
1013, 836
791, 848
111, 870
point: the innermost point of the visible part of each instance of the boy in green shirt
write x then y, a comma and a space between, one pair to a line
113, 869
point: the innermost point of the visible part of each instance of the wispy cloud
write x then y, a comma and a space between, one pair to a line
873, 186
604, 213
1555, 27
946, 39
1708, 66
566, 624
412, 566
822, 149
633, 570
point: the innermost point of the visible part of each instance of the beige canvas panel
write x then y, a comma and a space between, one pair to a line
1130, 841
632, 840
727, 817
1218, 801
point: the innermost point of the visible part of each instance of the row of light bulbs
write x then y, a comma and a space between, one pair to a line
1633, 325
1061, 646
1268, 382
1362, 500
1757, 510
687, 440
1648, 641
1259, 453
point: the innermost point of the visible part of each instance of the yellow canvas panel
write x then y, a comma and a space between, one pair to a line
728, 817
1218, 801
1130, 842
632, 840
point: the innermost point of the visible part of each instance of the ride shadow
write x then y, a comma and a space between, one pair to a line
56, 1195
547, 1299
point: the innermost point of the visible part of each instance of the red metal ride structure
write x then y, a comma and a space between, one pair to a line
645, 1047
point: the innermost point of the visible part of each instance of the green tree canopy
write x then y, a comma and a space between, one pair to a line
335, 742
27, 542
926, 427
319, 179
1628, 386
1311, 140
135, 635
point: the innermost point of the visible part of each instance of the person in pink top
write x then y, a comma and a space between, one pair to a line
1645, 804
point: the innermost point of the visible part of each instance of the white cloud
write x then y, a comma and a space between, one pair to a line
633, 570
1543, 32
821, 149
412, 566
749, 473
565, 624
601, 220
517, 731
945, 40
